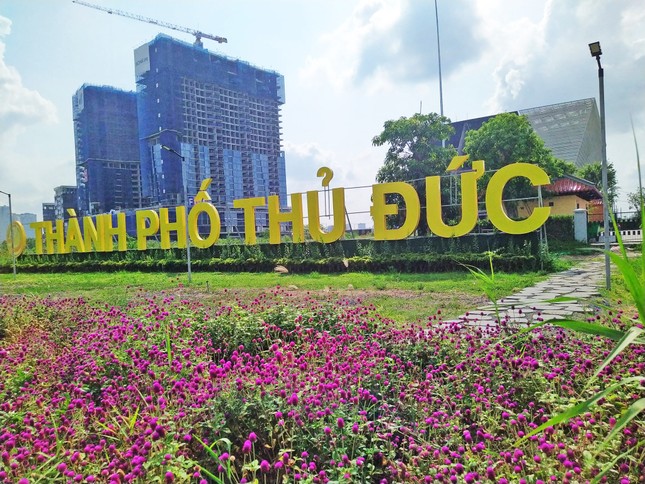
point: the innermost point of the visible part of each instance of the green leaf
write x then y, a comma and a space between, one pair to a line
580, 327
608, 467
210, 474
133, 419
579, 408
490, 261
629, 337
619, 237
226, 441
635, 408
561, 417
632, 281
642, 245
50, 469
252, 466
207, 449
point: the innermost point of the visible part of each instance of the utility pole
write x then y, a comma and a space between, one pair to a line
436, 16
185, 182
10, 231
596, 52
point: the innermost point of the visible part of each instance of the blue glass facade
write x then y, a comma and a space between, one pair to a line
219, 116
107, 149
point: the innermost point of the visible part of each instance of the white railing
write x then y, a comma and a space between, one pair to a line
635, 235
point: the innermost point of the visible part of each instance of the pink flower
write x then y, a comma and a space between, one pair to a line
247, 447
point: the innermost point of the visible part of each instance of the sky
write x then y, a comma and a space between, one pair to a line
349, 66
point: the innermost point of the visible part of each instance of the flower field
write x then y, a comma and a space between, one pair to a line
285, 389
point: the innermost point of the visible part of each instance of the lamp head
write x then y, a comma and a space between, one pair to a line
595, 49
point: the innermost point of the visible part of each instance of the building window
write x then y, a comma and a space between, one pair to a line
550, 204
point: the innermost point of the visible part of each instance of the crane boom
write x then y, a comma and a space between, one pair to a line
198, 35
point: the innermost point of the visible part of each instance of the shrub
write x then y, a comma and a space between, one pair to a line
560, 227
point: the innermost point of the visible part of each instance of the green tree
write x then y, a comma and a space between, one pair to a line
593, 172
414, 152
634, 201
510, 138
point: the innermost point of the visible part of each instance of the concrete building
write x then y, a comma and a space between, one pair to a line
24, 218
107, 149
571, 130
65, 197
567, 194
49, 212
4, 221
204, 115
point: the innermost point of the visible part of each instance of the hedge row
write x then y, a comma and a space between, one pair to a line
526, 244
409, 263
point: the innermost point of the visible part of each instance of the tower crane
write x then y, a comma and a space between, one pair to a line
198, 35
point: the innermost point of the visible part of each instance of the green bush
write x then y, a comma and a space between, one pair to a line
400, 262
233, 327
560, 227
416, 254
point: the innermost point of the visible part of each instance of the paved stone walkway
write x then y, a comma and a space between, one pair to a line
531, 304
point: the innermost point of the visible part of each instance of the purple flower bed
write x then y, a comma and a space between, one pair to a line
169, 390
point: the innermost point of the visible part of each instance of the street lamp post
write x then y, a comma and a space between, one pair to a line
596, 52
436, 16
13, 252
185, 183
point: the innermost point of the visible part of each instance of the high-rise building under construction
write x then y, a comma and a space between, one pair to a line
107, 149
205, 115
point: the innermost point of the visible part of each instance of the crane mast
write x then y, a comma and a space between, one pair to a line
198, 35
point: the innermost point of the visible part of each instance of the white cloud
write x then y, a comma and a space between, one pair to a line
543, 58
631, 28
546, 60
388, 42
5, 26
515, 45
304, 160
342, 47
20, 108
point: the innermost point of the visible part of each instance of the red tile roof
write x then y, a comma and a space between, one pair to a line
570, 185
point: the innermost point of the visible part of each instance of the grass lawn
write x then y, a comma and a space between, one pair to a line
404, 297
